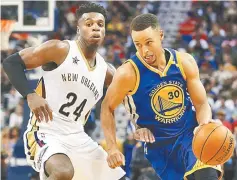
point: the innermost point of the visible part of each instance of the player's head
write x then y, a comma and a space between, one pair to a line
147, 37
91, 24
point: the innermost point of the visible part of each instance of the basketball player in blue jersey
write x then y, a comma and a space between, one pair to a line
159, 87
74, 75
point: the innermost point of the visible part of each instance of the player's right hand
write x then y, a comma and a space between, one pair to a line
115, 158
144, 135
218, 121
39, 107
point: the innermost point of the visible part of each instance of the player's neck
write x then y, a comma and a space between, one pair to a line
89, 52
161, 61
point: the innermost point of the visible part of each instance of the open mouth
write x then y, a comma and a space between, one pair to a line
96, 36
148, 58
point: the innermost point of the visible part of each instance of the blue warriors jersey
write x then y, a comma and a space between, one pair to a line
161, 103
160, 100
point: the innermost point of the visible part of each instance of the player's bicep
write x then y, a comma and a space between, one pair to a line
123, 82
115, 93
194, 85
50, 51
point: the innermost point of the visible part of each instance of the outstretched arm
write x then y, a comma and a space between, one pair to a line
124, 81
30, 58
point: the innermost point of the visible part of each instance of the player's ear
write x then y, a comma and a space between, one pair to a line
161, 34
78, 30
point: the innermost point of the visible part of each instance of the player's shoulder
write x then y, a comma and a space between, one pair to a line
126, 71
57, 44
125, 77
57, 50
186, 59
184, 56
188, 63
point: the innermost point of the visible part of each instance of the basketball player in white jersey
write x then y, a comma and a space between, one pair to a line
73, 80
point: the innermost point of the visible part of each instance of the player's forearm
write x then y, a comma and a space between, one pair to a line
203, 113
108, 126
14, 68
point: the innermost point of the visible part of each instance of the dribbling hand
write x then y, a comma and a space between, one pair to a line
39, 107
115, 158
210, 121
144, 135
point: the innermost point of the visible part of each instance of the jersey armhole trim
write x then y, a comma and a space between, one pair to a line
137, 77
86, 118
179, 65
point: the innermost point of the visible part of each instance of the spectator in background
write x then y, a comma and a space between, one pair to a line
5, 141
119, 52
226, 105
116, 25
216, 37
180, 44
222, 117
229, 45
187, 28
11, 99
16, 118
228, 66
211, 15
200, 32
210, 58
198, 47
231, 11
145, 7
14, 135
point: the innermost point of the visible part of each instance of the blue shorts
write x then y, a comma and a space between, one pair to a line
174, 158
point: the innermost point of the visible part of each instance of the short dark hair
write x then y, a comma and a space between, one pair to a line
144, 21
90, 7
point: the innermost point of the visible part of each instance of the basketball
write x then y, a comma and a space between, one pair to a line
213, 144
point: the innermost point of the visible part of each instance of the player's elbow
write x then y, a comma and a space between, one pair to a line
7, 63
12, 61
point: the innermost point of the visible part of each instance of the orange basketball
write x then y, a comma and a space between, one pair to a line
213, 144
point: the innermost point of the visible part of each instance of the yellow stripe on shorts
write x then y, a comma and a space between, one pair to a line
200, 165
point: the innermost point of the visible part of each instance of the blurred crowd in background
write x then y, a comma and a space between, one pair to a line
208, 32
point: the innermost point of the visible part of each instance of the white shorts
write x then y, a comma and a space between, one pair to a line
87, 157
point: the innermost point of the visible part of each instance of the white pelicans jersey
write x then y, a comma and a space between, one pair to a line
71, 90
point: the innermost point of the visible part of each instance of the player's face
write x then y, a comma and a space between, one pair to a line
92, 28
148, 44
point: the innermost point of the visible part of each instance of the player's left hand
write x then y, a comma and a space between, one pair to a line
115, 158
145, 135
210, 121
